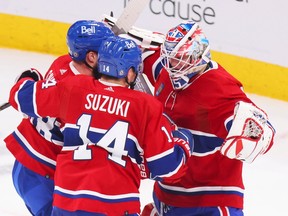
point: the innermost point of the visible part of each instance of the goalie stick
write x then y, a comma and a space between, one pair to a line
123, 24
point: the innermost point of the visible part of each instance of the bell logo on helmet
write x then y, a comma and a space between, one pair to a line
87, 30
130, 44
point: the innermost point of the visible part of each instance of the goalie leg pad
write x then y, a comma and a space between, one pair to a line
250, 134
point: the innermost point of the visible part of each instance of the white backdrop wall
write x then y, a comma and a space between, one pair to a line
256, 29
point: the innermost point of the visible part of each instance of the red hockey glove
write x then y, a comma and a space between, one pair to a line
184, 138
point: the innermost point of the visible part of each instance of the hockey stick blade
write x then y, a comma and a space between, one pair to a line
4, 106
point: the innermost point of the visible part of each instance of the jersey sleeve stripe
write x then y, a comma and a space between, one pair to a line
201, 190
31, 151
158, 156
26, 94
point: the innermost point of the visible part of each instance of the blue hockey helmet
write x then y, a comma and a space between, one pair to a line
84, 36
117, 55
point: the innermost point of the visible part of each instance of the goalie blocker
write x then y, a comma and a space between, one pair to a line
250, 135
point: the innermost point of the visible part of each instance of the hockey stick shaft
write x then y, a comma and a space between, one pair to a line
142, 84
4, 106
123, 24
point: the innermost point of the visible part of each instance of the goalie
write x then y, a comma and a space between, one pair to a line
250, 133
228, 128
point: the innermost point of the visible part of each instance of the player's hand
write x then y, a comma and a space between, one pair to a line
32, 73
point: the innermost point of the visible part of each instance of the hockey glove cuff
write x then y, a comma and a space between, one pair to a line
184, 138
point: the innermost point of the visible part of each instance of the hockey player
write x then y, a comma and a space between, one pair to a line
108, 129
228, 128
37, 141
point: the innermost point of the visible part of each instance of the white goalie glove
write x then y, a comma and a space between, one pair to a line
250, 134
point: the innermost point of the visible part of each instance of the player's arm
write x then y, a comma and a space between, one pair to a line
250, 135
166, 151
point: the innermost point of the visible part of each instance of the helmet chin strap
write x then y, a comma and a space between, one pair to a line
89, 66
131, 84
95, 71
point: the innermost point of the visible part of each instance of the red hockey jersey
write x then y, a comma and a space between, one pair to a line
37, 141
108, 128
205, 107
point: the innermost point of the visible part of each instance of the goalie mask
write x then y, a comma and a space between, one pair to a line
186, 52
